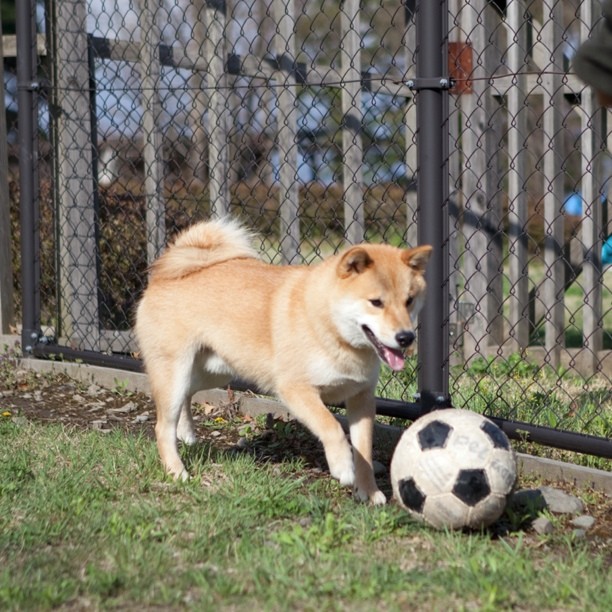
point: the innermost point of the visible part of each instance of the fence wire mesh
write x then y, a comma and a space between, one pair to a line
300, 118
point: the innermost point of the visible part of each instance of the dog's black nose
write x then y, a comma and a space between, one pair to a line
405, 338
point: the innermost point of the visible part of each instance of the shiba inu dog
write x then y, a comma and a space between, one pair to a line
308, 334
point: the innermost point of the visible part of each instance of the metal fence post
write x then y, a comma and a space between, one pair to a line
28, 172
432, 188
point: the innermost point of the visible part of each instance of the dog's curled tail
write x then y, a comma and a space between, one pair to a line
203, 245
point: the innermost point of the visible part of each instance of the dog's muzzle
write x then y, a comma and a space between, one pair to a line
393, 357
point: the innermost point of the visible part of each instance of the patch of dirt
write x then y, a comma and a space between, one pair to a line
56, 398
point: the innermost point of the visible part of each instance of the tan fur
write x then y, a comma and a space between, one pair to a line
203, 245
213, 310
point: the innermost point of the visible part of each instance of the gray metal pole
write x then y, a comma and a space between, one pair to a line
432, 191
28, 179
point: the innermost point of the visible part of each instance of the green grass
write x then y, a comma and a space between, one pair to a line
521, 390
87, 520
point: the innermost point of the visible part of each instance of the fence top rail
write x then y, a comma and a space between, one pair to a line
267, 67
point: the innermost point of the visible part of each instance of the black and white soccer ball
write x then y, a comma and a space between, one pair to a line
454, 469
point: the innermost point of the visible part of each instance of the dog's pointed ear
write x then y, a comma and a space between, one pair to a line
354, 261
417, 258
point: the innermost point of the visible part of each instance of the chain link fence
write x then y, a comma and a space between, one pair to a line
301, 118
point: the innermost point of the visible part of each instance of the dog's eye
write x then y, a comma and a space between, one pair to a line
377, 303
409, 302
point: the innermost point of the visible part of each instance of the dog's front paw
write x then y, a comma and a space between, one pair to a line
183, 476
375, 497
185, 432
378, 498
341, 465
187, 437
178, 474
345, 474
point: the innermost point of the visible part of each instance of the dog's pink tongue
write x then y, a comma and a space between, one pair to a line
394, 358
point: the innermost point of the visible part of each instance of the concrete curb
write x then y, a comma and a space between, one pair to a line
254, 405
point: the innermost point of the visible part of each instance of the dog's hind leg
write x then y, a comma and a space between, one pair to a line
361, 410
201, 377
171, 395
185, 429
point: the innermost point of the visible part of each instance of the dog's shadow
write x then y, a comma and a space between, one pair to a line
278, 442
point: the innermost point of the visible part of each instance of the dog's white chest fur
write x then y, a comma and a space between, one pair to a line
336, 383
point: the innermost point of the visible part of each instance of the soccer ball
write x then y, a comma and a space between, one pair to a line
454, 469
